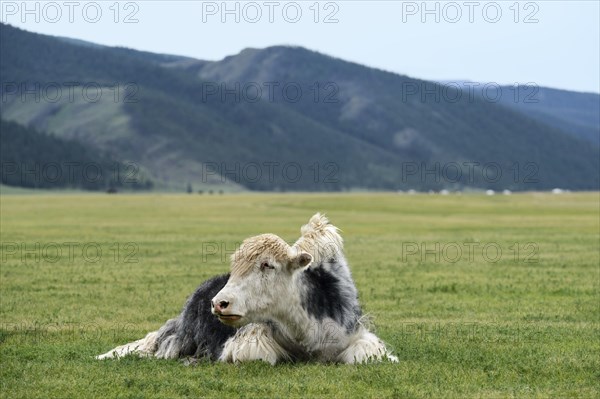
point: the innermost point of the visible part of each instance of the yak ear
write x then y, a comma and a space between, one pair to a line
300, 259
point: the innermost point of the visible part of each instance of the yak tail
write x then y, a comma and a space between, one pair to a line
321, 239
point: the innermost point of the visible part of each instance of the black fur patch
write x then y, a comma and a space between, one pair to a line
197, 331
324, 298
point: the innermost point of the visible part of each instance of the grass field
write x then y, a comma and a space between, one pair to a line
478, 296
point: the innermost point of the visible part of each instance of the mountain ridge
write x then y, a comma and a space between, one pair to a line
375, 125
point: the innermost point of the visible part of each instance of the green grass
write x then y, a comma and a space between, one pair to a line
523, 326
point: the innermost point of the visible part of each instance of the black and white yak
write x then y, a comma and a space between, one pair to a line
278, 303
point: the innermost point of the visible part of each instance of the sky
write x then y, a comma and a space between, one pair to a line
548, 43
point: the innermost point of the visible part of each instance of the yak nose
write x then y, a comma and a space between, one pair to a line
220, 306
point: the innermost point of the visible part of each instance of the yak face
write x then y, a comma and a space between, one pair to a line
261, 283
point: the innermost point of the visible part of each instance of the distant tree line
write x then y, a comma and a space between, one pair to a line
33, 159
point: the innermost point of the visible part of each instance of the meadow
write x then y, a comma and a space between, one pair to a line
478, 296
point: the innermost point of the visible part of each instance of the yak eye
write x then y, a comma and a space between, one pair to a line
265, 265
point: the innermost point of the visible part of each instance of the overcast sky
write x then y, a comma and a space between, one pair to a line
549, 43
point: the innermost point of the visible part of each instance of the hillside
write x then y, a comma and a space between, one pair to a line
36, 160
352, 126
574, 113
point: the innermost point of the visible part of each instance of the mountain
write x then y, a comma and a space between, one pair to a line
281, 118
572, 112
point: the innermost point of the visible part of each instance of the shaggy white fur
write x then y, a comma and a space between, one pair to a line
142, 347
